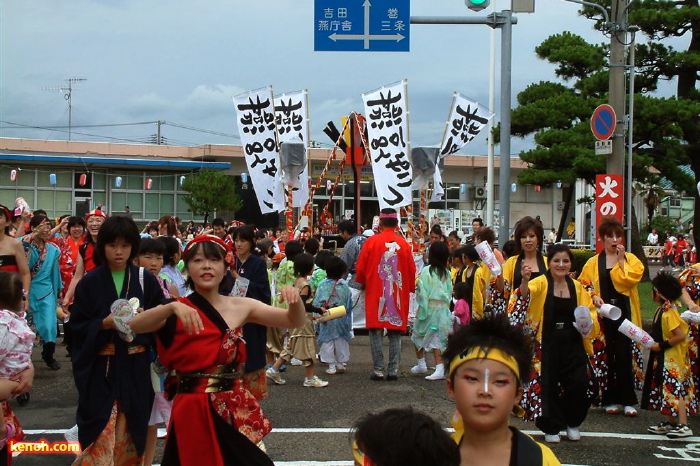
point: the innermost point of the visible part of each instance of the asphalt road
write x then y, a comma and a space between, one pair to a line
311, 425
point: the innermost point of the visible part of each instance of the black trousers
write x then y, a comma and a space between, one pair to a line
620, 377
565, 374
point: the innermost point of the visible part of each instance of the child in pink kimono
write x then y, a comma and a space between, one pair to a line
16, 340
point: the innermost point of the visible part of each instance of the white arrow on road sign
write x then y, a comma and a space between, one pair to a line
366, 37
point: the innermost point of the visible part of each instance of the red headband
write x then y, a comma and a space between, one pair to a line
204, 239
392, 215
95, 213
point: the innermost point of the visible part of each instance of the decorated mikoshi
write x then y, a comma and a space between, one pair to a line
289, 211
326, 212
423, 222
322, 176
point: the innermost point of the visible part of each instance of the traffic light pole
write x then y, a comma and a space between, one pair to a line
503, 20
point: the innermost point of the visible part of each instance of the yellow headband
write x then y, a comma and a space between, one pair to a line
360, 457
494, 354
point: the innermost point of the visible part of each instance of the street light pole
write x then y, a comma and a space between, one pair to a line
490, 194
503, 20
504, 170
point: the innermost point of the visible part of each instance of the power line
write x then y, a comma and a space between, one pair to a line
191, 128
144, 139
105, 125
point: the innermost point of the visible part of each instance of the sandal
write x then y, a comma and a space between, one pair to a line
10, 433
630, 411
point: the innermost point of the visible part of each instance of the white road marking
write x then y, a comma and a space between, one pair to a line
346, 430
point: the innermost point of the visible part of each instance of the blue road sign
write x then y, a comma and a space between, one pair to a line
362, 25
603, 122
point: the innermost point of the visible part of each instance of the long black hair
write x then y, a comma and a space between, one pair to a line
438, 255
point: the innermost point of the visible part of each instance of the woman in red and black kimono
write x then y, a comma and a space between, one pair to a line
215, 420
12, 256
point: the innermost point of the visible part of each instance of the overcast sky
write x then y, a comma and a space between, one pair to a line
181, 61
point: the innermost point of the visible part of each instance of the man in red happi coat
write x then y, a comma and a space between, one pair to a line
386, 270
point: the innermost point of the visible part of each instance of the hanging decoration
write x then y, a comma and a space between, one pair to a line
513, 187
52, 179
13, 175
83, 179
118, 182
537, 188
149, 183
182, 180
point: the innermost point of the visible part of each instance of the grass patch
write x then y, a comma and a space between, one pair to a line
648, 306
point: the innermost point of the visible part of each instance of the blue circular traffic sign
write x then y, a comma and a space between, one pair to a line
603, 122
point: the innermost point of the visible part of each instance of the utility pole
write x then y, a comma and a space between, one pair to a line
67, 94
618, 32
616, 24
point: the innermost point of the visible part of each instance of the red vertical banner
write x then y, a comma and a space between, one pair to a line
608, 200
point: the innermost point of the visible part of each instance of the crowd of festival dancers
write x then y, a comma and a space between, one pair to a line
170, 320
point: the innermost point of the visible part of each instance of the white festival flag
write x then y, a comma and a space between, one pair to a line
387, 128
256, 125
466, 120
292, 113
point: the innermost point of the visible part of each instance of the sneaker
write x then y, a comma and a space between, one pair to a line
377, 375
340, 368
71, 435
419, 369
573, 434
275, 376
552, 438
679, 431
315, 382
331, 370
613, 409
630, 411
661, 428
296, 362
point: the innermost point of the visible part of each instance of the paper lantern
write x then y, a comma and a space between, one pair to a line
462, 188
513, 187
558, 184
244, 177
118, 182
182, 180
329, 185
149, 183
52, 179
83, 179
537, 188
13, 175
